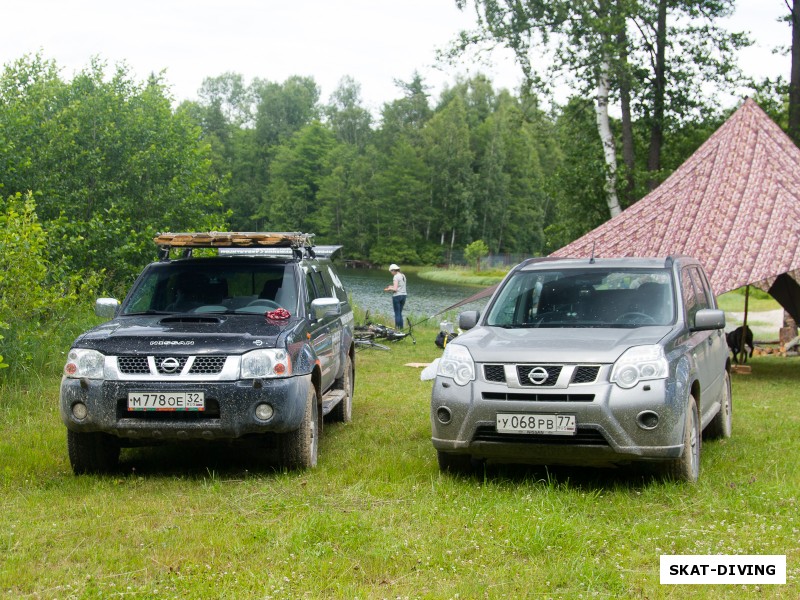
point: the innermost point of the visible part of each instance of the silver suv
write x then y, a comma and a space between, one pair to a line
587, 362
256, 342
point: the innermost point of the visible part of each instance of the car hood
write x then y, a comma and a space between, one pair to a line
556, 345
185, 334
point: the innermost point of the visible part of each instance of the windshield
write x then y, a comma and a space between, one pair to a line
585, 298
204, 287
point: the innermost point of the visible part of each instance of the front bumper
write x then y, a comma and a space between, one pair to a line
229, 414
614, 425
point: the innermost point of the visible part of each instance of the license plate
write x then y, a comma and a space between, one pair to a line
543, 424
166, 401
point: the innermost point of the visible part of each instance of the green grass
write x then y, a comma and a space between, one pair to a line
376, 519
463, 276
757, 302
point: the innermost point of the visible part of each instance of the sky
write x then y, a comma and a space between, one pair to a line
376, 42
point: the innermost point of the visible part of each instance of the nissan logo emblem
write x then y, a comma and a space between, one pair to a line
170, 365
538, 375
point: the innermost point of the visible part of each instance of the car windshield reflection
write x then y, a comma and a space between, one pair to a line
591, 298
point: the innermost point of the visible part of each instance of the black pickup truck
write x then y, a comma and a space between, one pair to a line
256, 341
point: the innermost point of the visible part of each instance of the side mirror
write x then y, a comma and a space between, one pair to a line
468, 319
708, 318
106, 307
325, 307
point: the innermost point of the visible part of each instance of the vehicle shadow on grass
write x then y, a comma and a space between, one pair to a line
635, 476
199, 459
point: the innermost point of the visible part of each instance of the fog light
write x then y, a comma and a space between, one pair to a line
264, 412
647, 419
79, 411
443, 415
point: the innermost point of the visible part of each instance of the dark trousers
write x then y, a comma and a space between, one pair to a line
398, 302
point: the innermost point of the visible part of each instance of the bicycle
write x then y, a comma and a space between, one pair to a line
365, 334
366, 339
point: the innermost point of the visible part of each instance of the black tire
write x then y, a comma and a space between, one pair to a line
343, 412
721, 425
458, 464
687, 467
299, 448
92, 452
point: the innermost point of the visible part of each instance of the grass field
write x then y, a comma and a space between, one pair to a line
376, 519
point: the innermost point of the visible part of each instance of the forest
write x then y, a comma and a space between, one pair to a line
94, 166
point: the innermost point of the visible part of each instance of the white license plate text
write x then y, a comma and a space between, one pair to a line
166, 401
530, 423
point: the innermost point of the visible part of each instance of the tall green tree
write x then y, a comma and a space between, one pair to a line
676, 49
231, 97
350, 121
577, 188
449, 158
406, 116
225, 112
402, 186
283, 109
345, 202
296, 174
518, 219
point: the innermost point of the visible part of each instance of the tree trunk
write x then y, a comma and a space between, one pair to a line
628, 155
794, 82
657, 124
607, 138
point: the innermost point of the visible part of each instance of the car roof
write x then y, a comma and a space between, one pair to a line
635, 262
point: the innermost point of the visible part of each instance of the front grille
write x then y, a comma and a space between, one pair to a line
133, 365
531, 397
207, 365
202, 365
495, 373
583, 437
585, 374
553, 371
177, 371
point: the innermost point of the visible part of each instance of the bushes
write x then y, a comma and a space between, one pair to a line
36, 296
109, 163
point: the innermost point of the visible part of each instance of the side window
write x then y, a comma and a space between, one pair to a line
690, 299
704, 296
311, 291
316, 286
336, 284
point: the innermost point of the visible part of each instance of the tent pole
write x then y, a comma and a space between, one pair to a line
742, 351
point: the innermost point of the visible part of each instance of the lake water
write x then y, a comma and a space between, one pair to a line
425, 298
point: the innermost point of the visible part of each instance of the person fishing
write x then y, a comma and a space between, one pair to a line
398, 289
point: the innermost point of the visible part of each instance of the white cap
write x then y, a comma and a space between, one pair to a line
394, 267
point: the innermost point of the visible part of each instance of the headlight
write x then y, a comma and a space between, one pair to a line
84, 363
639, 363
266, 363
457, 363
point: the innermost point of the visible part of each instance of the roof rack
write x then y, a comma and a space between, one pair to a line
300, 243
277, 251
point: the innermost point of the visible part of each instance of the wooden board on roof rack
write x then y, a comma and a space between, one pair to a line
217, 239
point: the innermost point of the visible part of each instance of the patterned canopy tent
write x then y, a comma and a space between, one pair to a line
734, 204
